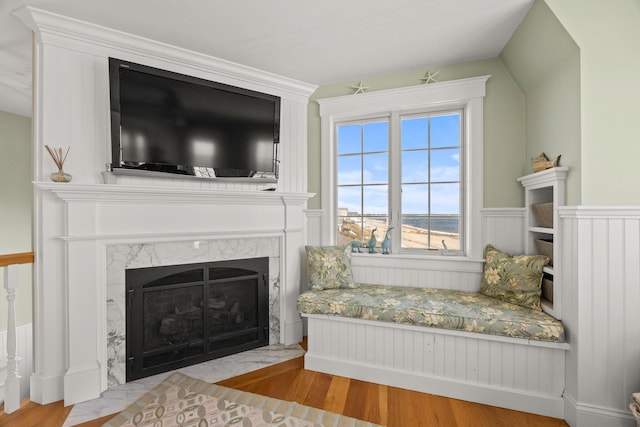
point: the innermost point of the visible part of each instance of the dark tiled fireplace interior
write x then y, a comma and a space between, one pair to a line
185, 314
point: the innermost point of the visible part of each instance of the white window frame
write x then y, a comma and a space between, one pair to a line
465, 94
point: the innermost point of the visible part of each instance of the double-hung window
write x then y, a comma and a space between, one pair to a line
405, 165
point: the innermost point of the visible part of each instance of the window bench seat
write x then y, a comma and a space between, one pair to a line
452, 343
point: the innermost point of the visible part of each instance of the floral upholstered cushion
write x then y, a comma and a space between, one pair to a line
329, 267
515, 279
438, 308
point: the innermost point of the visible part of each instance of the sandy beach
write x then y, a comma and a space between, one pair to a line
413, 237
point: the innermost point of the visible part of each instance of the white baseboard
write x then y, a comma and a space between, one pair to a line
485, 394
585, 415
293, 332
82, 384
47, 388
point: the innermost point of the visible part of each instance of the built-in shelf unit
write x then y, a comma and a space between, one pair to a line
542, 235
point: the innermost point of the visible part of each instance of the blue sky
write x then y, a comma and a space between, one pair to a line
372, 166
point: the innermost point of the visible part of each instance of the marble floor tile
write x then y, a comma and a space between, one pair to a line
117, 398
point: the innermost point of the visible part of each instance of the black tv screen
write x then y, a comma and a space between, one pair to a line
170, 122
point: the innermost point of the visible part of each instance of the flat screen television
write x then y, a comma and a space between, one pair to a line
169, 122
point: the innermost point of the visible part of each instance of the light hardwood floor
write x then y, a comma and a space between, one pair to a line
390, 406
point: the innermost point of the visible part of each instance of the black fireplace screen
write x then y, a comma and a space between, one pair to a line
185, 314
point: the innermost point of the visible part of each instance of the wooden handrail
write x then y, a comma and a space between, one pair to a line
20, 258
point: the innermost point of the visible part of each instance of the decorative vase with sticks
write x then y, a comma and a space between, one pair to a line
58, 159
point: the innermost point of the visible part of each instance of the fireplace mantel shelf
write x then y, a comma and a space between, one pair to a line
127, 193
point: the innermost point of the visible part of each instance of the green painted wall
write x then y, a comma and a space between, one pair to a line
16, 196
608, 35
550, 81
504, 126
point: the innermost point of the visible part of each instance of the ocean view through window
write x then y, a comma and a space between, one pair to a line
406, 187
408, 160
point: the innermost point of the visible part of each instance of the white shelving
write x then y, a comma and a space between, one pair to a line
547, 186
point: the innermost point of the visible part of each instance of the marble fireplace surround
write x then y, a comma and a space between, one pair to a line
102, 229
125, 256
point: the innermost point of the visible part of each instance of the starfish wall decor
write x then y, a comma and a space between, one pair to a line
360, 88
429, 77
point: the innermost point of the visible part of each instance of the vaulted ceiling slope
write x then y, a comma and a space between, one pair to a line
315, 42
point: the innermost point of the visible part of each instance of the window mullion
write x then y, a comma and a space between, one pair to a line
362, 217
429, 187
395, 182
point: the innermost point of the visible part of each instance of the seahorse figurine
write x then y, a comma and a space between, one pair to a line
372, 242
386, 243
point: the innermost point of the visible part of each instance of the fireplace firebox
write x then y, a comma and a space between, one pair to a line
181, 315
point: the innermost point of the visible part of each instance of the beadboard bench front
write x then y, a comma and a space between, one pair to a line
514, 373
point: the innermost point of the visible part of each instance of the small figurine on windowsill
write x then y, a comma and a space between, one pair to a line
386, 243
372, 242
356, 246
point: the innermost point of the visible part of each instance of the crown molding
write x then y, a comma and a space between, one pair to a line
57, 30
407, 97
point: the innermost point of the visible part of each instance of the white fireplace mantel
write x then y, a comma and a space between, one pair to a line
221, 205
125, 193
74, 223
88, 218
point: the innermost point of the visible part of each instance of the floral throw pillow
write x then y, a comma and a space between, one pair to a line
329, 267
514, 279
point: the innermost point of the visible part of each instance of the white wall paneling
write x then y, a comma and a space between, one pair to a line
314, 226
434, 272
601, 312
73, 222
508, 372
71, 97
502, 228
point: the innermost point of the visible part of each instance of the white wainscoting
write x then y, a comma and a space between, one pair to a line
313, 234
601, 277
421, 272
519, 374
504, 228
24, 350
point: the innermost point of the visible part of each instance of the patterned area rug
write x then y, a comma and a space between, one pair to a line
187, 402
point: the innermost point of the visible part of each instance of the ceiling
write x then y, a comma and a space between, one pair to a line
317, 42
